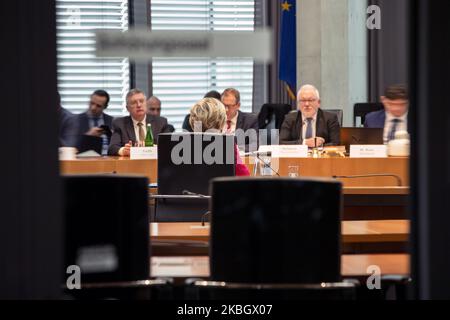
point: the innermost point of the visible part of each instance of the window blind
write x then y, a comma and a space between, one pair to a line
179, 83
80, 72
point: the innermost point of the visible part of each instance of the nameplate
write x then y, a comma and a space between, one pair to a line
368, 151
286, 151
137, 153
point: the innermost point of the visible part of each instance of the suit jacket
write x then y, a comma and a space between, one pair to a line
123, 131
83, 122
375, 119
186, 125
67, 128
327, 127
246, 121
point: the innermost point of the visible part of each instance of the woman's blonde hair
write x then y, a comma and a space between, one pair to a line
208, 112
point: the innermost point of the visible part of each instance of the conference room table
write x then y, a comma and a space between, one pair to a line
374, 236
352, 266
397, 167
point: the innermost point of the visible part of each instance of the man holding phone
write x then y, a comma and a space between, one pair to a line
95, 122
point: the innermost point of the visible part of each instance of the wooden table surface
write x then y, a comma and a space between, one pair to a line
351, 265
352, 231
308, 167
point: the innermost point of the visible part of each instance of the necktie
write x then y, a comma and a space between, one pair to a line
308, 134
391, 135
228, 125
95, 122
141, 131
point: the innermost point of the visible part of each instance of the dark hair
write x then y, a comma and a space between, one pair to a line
213, 94
102, 93
234, 92
395, 92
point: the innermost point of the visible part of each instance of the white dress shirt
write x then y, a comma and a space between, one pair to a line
402, 125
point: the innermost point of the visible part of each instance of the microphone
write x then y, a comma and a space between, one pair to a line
370, 175
189, 193
256, 153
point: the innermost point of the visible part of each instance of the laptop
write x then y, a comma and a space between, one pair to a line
356, 135
90, 143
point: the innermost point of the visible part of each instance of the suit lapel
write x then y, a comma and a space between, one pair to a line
298, 128
130, 128
84, 123
320, 125
240, 120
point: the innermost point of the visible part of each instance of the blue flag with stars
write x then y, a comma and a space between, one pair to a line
288, 46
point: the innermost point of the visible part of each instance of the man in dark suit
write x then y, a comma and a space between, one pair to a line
132, 129
94, 120
244, 125
310, 125
154, 109
394, 117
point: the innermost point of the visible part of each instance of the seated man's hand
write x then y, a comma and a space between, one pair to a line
311, 143
95, 131
125, 150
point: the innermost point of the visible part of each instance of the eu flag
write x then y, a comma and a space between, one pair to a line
288, 46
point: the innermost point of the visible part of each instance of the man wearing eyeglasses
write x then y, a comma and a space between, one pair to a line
238, 120
394, 117
310, 125
95, 122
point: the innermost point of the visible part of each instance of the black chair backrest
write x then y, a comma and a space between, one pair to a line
107, 227
339, 113
273, 110
186, 163
267, 230
361, 109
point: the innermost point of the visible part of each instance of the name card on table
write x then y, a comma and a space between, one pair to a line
368, 151
138, 153
286, 151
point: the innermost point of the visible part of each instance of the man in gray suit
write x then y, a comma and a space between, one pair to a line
310, 125
132, 129
237, 119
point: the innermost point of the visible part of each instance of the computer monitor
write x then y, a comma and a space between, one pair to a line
356, 135
283, 230
186, 163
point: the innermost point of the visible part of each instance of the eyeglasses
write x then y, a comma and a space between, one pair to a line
307, 100
228, 106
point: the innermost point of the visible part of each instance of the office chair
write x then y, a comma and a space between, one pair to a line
275, 237
107, 234
361, 109
273, 113
271, 117
184, 172
339, 113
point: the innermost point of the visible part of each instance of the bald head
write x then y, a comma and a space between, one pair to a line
153, 106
